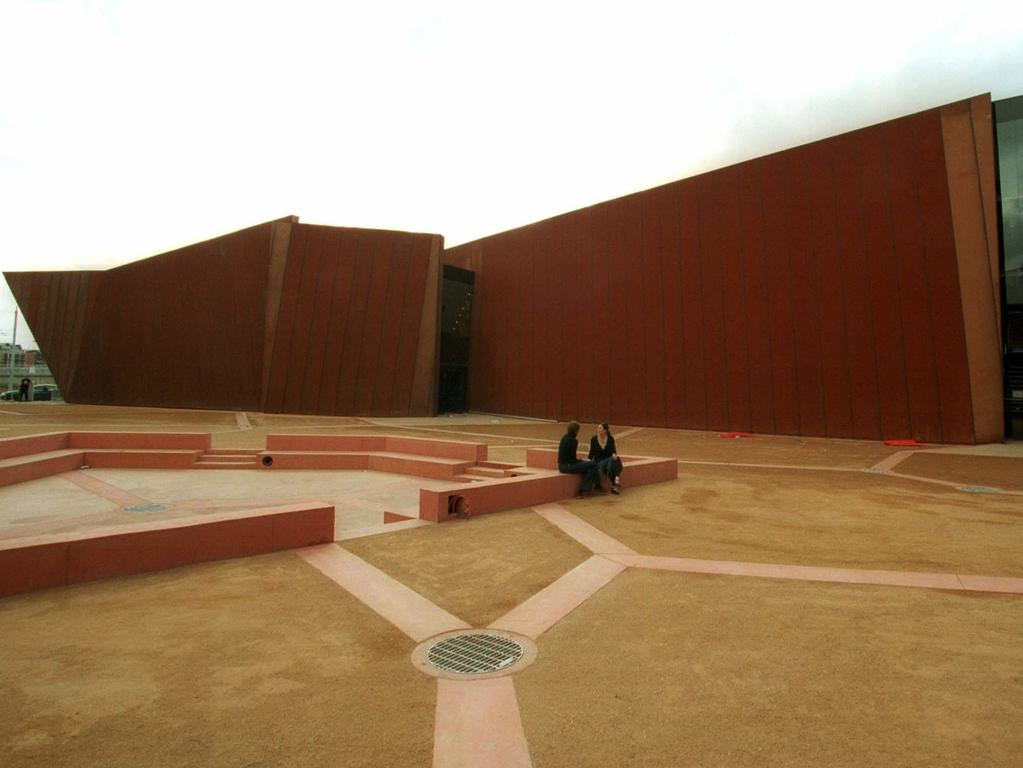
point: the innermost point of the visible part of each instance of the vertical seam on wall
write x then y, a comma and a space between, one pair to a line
643, 231
841, 289
623, 251
273, 315
289, 380
221, 356
318, 395
959, 282
786, 218
927, 281
659, 196
767, 292
742, 261
703, 324
343, 328
380, 328
590, 240
570, 248
74, 333
870, 302
393, 404
314, 245
898, 284
357, 368
995, 289
726, 379
817, 303
676, 220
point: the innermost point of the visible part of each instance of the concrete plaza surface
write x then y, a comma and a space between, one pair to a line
785, 601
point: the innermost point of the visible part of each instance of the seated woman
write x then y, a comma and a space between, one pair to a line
569, 463
604, 452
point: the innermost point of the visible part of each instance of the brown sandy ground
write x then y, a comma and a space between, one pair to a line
762, 449
58, 416
841, 519
255, 662
266, 662
710, 446
478, 569
1001, 472
662, 669
650, 441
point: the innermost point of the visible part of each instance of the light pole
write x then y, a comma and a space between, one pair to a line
14, 338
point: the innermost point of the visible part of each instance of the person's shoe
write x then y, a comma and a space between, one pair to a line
616, 489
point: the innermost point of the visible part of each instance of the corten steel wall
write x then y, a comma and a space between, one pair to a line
816, 291
357, 328
280, 317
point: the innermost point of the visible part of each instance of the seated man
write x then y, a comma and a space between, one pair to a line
569, 463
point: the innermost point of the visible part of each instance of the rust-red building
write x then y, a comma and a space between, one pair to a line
845, 288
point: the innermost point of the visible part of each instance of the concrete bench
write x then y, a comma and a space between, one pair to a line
416, 446
539, 482
435, 459
21, 469
636, 470
36, 456
435, 467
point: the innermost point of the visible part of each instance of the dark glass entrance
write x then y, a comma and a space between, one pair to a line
455, 324
1009, 144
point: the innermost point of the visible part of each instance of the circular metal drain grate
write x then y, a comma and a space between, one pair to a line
474, 654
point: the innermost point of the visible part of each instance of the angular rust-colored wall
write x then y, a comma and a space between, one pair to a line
280, 317
351, 323
817, 291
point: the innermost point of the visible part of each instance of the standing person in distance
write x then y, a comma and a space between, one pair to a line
604, 453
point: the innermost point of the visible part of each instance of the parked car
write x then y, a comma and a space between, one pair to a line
45, 392
39, 392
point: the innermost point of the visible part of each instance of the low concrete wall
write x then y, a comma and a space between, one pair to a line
196, 441
42, 562
538, 483
414, 445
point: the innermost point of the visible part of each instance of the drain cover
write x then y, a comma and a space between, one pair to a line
144, 507
977, 489
478, 654
474, 654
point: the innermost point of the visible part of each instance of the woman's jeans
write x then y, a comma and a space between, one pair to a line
611, 467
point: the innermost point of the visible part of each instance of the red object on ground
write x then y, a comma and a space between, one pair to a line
902, 442
737, 434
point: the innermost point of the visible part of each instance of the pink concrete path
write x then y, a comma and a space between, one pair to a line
477, 722
594, 539
884, 467
582, 532
551, 604
409, 611
105, 490
477, 725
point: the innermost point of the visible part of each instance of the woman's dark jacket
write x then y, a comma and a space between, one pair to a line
599, 454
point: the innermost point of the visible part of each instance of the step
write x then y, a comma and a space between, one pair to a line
485, 472
225, 465
228, 457
233, 452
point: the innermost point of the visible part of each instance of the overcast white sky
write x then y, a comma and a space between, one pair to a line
130, 127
